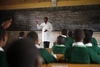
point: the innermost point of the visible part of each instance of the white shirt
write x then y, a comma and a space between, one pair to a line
88, 45
21, 38
1, 49
63, 36
45, 35
37, 46
80, 44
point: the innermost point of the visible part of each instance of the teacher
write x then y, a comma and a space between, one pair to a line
46, 30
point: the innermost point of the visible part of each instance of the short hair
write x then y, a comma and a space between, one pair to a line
70, 33
46, 18
21, 34
2, 33
22, 53
64, 31
32, 35
78, 35
91, 32
60, 40
88, 37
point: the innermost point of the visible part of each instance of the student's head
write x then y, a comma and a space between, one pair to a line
23, 53
85, 30
78, 35
3, 36
70, 34
60, 40
88, 37
45, 19
91, 32
64, 32
33, 36
21, 34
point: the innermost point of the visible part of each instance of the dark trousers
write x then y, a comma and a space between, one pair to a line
46, 44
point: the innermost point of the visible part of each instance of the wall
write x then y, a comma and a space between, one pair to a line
13, 35
20, 4
69, 17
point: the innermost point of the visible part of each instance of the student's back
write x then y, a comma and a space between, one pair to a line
68, 42
58, 49
47, 57
78, 52
94, 57
76, 55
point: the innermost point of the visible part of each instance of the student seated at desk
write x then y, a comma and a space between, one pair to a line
23, 53
94, 57
94, 42
3, 40
59, 47
78, 53
21, 35
47, 57
68, 40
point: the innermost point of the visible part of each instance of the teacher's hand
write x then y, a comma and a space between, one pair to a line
36, 22
46, 30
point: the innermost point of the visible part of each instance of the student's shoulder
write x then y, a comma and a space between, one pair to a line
43, 50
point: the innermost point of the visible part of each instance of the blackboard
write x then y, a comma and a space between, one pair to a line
69, 17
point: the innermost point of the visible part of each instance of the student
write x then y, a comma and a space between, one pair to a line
78, 52
7, 23
94, 42
68, 40
59, 47
94, 57
23, 53
47, 57
70, 34
3, 40
21, 35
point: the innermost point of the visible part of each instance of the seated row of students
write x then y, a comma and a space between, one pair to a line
80, 52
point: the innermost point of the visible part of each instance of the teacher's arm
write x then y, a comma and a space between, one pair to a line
39, 26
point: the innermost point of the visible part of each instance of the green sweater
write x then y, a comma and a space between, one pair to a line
94, 57
68, 42
94, 42
81, 55
95, 46
76, 55
2, 60
47, 57
58, 49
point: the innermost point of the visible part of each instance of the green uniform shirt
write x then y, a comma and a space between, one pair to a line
77, 55
47, 57
58, 49
94, 57
2, 60
95, 46
68, 42
94, 42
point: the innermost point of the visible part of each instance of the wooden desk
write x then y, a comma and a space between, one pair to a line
59, 56
44, 65
72, 65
